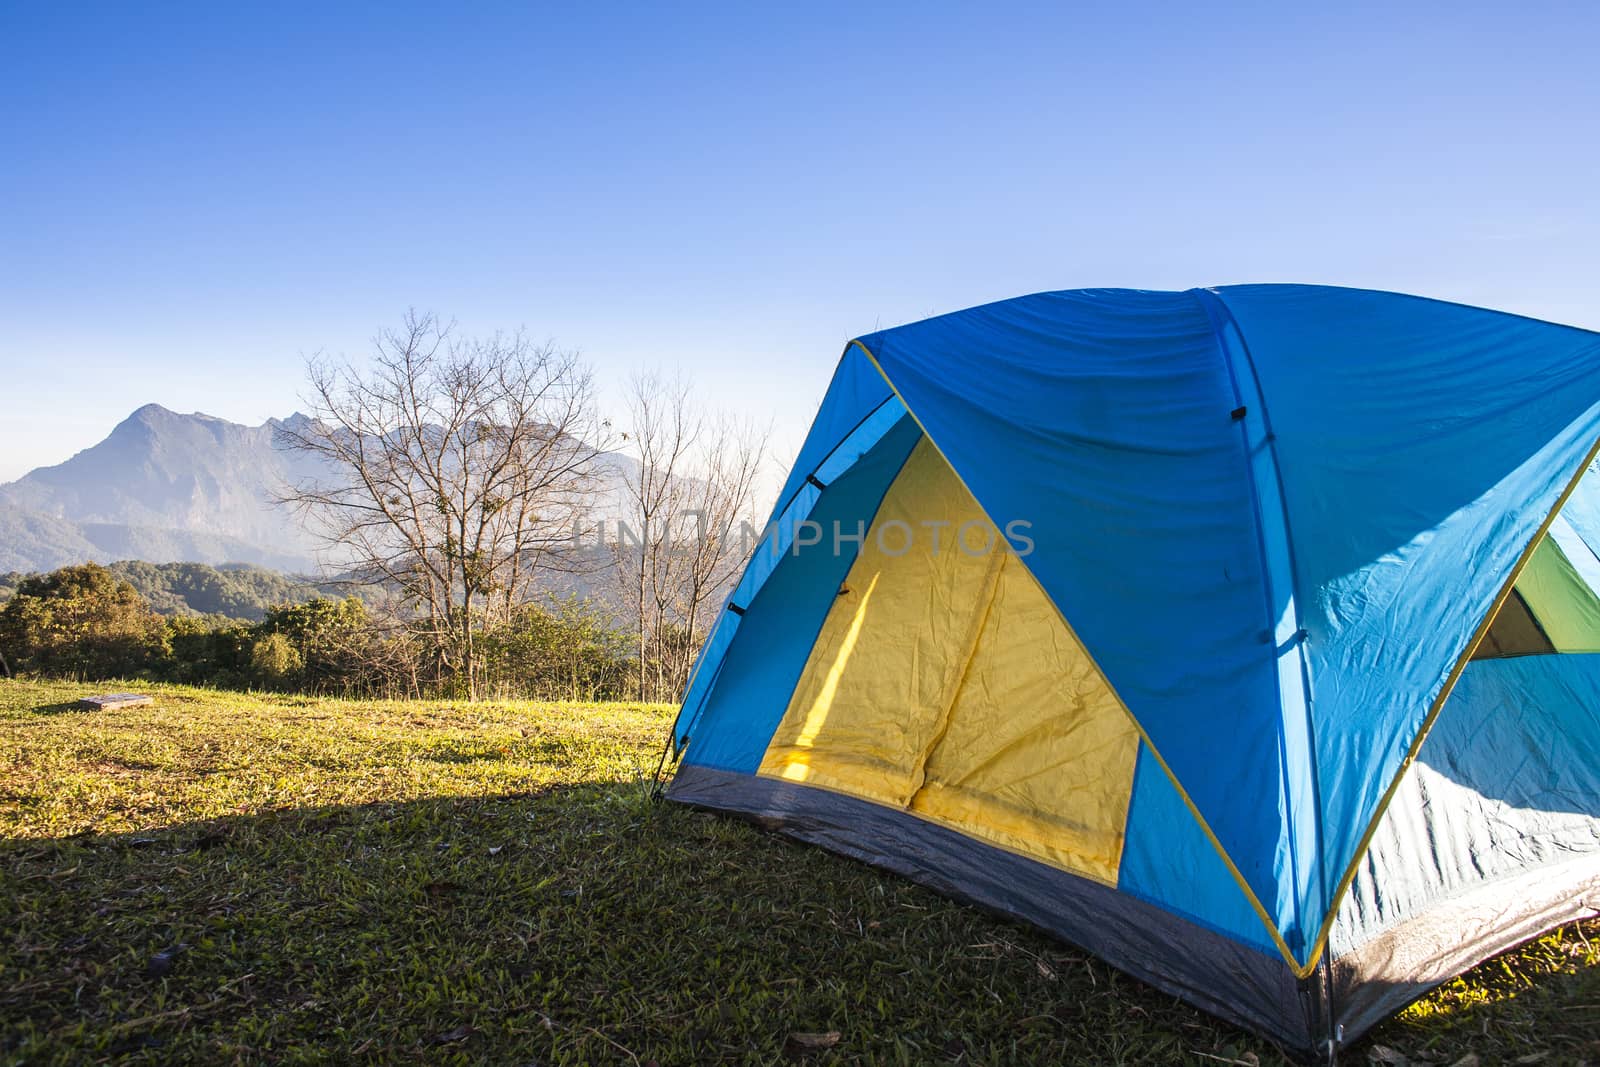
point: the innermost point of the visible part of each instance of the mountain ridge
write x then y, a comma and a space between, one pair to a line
162, 486
167, 487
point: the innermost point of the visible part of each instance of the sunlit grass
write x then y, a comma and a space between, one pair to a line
224, 877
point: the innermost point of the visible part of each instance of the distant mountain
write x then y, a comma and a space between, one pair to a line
30, 541
170, 488
162, 487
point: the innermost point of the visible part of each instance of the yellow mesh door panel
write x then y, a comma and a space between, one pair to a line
880, 676
944, 682
1038, 755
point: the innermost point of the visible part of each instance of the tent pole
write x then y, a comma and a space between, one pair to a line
658, 785
1334, 1032
1316, 995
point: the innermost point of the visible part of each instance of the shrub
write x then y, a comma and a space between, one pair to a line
81, 621
274, 661
88, 622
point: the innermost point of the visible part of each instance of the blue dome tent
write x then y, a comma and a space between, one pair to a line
1247, 637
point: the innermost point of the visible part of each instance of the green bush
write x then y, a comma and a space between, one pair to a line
562, 650
208, 650
275, 661
333, 641
88, 622
81, 622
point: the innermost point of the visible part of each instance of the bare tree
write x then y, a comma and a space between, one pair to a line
720, 501
679, 544
661, 431
457, 468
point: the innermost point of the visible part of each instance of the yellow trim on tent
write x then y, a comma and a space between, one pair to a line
1233, 868
944, 683
1321, 943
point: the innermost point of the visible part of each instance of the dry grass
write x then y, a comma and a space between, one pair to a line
228, 878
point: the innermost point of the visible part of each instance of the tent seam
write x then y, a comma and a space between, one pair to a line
958, 679
1215, 307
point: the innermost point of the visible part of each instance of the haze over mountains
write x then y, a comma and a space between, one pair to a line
165, 487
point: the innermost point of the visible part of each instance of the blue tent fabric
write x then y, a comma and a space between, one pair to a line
1581, 514
1493, 837
1422, 446
1577, 550
1279, 518
1103, 418
1167, 860
1492, 816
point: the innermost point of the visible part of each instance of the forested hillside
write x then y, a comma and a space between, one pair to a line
232, 590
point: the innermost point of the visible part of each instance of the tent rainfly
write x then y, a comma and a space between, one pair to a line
1247, 637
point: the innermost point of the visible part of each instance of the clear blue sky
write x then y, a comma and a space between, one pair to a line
196, 196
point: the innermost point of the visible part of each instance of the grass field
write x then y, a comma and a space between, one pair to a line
228, 878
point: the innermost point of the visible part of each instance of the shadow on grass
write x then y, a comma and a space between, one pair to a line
458, 755
63, 706
578, 925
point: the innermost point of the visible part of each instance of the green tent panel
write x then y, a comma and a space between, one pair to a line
1567, 609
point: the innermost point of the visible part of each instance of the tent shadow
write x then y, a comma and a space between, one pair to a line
544, 925
1524, 733
559, 925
